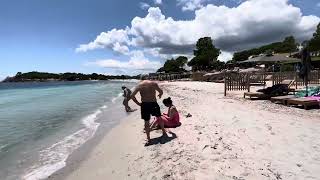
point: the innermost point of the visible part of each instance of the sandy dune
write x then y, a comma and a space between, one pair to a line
226, 138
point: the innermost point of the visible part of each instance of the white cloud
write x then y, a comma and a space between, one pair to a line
157, 1
122, 49
138, 63
225, 56
114, 39
230, 28
252, 23
144, 5
2, 77
191, 5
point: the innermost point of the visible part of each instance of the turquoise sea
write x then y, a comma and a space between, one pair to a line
42, 123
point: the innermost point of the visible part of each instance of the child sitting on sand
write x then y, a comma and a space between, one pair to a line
170, 119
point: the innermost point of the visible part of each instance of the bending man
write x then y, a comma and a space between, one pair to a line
149, 105
126, 95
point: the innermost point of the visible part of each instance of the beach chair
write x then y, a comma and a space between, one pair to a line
261, 95
281, 99
256, 95
305, 102
289, 83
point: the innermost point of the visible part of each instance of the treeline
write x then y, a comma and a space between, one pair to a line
44, 76
286, 46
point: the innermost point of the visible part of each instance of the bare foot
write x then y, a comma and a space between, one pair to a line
148, 143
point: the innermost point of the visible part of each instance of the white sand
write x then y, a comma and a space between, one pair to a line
226, 138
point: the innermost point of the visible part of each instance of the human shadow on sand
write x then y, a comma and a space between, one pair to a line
161, 139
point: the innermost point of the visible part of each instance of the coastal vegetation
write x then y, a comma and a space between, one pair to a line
314, 43
288, 45
205, 55
174, 65
44, 76
205, 58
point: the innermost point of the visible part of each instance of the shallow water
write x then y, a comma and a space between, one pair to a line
41, 124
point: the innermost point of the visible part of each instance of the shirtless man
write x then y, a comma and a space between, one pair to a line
149, 105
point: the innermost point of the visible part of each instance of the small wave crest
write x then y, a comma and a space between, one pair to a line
54, 158
104, 107
116, 98
127, 80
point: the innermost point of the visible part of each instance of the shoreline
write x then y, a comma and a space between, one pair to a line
226, 138
81, 154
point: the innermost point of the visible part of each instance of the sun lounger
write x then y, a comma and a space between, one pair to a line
302, 102
291, 90
261, 95
257, 95
281, 99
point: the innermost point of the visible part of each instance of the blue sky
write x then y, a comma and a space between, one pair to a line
55, 35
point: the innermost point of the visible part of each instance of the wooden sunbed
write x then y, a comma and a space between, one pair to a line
260, 95
257, 95
302, 102
281, 99
291, 90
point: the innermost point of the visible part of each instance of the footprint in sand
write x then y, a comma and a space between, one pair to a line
269, 127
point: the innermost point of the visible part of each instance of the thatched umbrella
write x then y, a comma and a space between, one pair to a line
270, 58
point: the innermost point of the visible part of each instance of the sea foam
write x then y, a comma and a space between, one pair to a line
54, 158
116, 98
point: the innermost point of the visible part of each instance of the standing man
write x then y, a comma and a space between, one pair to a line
126, 95
148, 104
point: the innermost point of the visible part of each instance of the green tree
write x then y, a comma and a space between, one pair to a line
181, 61
18, 74
288, 45
314, 44
205, 55
174, 65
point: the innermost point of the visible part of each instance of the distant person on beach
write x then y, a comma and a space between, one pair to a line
126, 95
170, 119
148, 104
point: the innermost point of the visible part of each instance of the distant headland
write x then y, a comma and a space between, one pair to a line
35, 76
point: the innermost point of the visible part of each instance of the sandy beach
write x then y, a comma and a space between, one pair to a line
226, 138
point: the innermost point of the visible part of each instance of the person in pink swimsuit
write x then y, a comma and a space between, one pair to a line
170, 119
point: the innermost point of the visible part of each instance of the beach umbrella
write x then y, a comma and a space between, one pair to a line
250, 70
270, 58
306, 67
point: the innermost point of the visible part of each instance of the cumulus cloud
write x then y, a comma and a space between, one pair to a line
191, 5
225, 56
252, 23
137, 63
157, 1
230, 28
114, 39
144, 5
